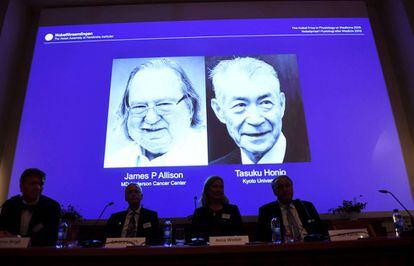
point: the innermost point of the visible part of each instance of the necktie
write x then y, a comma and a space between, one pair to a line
132, 228
293, 224
30, 208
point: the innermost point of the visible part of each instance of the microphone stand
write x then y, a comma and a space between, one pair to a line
102, 212
90, 243
311, 236
411, 232
190, 217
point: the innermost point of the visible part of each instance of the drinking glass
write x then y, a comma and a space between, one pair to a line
290, 236
179, 236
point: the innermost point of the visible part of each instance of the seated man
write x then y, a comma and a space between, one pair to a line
136, 221
297, 218
31, 214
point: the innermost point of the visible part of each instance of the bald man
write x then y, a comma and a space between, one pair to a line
297, 218
136, 221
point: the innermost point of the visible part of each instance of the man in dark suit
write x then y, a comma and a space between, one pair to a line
297, 218
31, 214
136, 221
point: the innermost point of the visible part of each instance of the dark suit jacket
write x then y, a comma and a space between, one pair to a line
307, 213
44, 224
206, 223
147, 217
234, 157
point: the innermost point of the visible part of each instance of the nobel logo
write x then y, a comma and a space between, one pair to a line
48, 37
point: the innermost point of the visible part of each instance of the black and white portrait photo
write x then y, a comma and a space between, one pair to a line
256, 113
156, 113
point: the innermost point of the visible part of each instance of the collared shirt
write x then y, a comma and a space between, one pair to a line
192, 150
295, 214
275, 155
25, 218
128, 217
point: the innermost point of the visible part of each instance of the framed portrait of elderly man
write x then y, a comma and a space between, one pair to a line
255, 113
156, 113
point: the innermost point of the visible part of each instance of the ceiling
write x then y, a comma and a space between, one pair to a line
73, 3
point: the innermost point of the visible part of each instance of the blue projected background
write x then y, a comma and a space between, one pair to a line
352, 138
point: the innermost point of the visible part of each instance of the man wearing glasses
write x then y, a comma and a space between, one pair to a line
161, 117
248, 100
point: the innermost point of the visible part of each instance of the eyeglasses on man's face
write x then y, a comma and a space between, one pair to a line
161, 108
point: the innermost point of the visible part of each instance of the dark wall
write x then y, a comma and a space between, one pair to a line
399, 31
13, 44
393, 30
409, 7
3, 8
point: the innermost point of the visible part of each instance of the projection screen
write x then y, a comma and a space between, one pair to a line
164, 95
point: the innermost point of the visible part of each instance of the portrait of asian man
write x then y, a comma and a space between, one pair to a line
259, 108
162, 115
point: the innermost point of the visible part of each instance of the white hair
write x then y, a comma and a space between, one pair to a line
247, 66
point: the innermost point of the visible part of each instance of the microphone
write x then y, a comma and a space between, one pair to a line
402, 205
309, 220
95, 242
313, 234
190, 217
103, 210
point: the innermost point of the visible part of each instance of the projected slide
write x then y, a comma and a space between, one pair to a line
167, 104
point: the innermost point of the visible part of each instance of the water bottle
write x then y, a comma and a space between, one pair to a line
398, 223
61, 238
275, 228
168, 233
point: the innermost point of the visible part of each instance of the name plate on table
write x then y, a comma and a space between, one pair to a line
348, 234
14, 242
123, 242
228, 240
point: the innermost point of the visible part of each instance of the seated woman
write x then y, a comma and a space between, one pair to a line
215, 217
